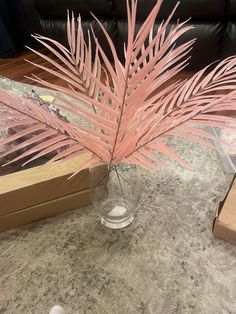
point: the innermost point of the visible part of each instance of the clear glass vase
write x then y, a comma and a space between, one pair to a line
116, 195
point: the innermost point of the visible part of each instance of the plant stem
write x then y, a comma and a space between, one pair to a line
121, 112
123, 178
122, 191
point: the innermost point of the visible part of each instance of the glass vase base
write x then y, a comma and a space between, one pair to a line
117, 218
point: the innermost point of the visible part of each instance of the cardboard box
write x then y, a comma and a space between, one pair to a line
43, 191
224, 225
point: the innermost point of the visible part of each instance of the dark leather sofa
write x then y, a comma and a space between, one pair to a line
214, 21
14, 33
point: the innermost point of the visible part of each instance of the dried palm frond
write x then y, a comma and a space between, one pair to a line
125, 118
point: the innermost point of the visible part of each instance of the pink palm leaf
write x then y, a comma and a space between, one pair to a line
47, 132
128, 117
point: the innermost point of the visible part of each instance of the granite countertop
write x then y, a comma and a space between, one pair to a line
165, 262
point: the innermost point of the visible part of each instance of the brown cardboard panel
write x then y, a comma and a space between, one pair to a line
41, 192
45, 210
39, 174
227, 215
224, 226
44, 183
223, 232
37, 185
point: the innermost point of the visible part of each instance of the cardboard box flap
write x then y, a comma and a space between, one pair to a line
35, 175
227, 216
223, 232
44, 210
224, 225
221, 204
44, 183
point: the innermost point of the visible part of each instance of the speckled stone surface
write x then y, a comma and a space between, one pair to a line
165, 262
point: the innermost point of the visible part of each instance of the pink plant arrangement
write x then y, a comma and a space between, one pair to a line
125, 119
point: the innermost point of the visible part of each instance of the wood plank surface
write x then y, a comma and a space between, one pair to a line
16, 68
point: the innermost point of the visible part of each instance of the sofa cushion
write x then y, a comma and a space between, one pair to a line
57, 29
197, 9
55, 9
207, 35
231, 8
228, 46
